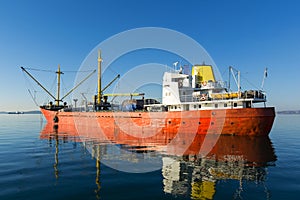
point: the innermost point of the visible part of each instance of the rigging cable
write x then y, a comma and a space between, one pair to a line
252, 84
54, 71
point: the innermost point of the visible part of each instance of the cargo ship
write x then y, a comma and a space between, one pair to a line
191, 103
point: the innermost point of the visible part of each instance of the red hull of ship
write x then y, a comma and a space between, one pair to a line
240, 121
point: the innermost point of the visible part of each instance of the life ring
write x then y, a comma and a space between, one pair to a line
180, 84
203, 97
204, 83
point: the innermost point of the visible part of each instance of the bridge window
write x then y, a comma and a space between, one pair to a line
248, 104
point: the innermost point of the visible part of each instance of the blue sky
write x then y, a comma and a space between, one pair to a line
249, 35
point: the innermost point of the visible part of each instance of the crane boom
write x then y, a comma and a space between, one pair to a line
124, 94
38, 82
118, 76
79, 84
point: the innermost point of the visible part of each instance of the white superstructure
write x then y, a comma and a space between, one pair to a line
201, 91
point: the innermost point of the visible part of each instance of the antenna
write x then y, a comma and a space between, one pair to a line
265, 76
236, 77
175, 65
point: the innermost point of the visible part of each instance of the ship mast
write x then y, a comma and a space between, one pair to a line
57, 99
58, 85
99, 95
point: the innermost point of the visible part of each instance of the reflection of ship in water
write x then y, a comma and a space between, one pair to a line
193, 172
232, 158
53, 134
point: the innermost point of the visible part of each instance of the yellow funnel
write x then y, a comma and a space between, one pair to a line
203, 73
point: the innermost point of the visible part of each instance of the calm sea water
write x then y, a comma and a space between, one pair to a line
36, 164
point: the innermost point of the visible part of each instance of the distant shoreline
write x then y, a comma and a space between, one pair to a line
289, 112
20, 112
